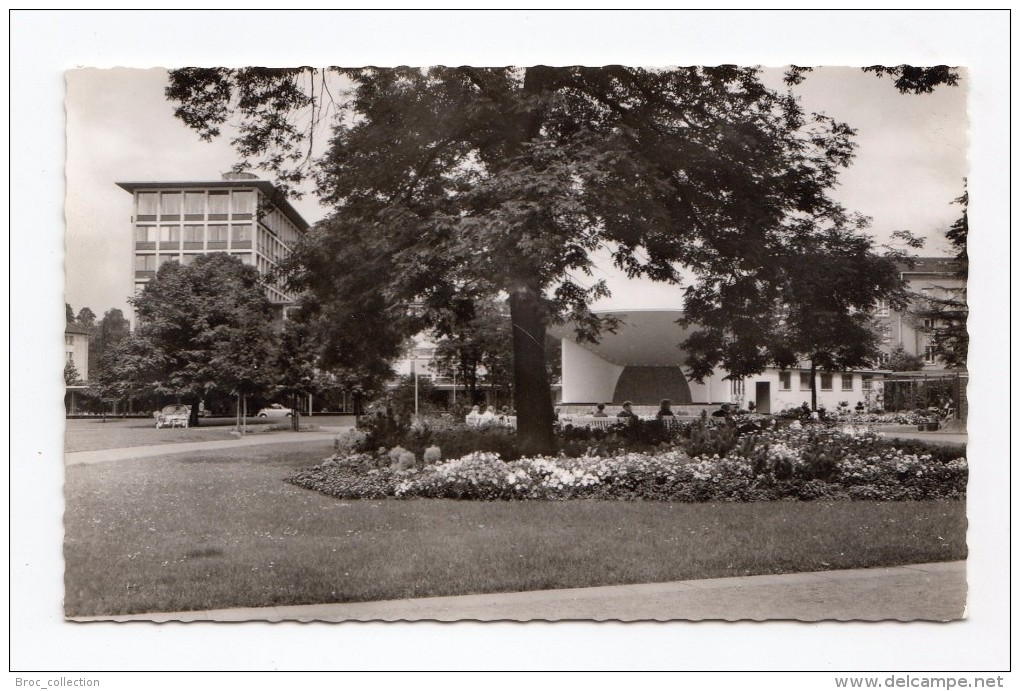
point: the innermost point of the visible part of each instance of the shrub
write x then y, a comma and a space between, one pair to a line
433, 454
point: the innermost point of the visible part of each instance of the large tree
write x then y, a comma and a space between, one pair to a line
458, 182
203, 327
813, 304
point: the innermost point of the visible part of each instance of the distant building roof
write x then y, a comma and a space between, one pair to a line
73, 328
269, 189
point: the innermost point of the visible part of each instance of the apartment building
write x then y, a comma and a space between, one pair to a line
930, 277
239, 214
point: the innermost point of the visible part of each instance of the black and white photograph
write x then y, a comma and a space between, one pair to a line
581, 343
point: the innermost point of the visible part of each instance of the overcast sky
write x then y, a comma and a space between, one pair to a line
910, 165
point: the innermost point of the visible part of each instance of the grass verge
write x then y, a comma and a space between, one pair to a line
221, 529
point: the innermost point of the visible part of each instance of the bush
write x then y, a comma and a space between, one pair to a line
805, 465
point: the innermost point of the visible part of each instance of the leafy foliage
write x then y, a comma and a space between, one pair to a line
71, 375
203, 327
902, 361
909, 79
454, 184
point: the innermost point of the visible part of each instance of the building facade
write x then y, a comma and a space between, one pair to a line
930, 277
642, 363
76, 349
239, 215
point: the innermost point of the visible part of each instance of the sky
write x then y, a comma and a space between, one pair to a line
910, 164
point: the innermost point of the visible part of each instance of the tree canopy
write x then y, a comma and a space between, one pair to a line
455, 183
202, 327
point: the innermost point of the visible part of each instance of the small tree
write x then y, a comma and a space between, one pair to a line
86, 319
902, 361
71, 375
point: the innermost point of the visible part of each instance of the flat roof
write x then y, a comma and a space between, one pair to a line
267, 188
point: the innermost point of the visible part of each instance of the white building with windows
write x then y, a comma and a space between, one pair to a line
642, 363
239, 214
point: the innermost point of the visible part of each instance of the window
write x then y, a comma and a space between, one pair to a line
170, 203
188, 258
145, 262
145, 234
219, 203
194, 203
885, 331
68, 339
194, 234
929, 354
929, 324
147, 202
70, 358
882, 308
826, 378
170, 235
848, 382
217, 233
164, 258
737, 387
243, 202
805, 381
241, 233
883, 358
784, 381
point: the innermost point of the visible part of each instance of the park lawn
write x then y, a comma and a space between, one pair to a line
221, 529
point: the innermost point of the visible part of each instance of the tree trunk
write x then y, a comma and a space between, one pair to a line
532, 397
193, 415
295, 417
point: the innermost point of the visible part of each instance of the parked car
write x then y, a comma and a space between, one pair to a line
177, 415
275, 410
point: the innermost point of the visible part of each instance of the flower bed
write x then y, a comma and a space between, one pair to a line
785, 464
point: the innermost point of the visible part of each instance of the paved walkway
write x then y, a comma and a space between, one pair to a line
932, 592
130, 452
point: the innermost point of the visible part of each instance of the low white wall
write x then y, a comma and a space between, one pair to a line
587, 378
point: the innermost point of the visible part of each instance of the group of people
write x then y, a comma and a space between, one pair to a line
627, 411
488, 417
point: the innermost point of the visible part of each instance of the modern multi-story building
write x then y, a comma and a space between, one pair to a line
930, 277
240, 215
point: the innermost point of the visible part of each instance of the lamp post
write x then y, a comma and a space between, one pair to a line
414, 373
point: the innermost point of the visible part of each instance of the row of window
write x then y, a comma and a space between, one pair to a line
197, 203
824, 381
152, 262
214, 232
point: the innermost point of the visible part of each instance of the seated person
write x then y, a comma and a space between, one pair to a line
724, 411
473, 417
627, 412
664, 410
600, 410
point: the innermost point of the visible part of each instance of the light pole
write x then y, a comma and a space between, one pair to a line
414, 373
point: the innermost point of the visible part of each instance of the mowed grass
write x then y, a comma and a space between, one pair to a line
221, 529
92, 434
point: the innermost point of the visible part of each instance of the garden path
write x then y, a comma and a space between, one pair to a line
928, 592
